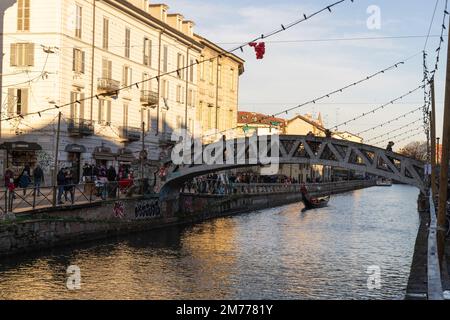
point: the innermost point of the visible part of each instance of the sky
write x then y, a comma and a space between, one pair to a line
294, 71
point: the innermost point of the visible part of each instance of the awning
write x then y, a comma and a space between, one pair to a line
103, 153
125, 155
20, 146
76, 148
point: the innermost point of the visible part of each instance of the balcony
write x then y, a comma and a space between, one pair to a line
165, 138
80, 127
130, 133
149, 98
107, 87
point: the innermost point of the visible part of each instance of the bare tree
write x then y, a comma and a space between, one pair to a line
416, 150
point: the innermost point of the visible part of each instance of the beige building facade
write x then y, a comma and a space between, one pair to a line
71, 57
218, 90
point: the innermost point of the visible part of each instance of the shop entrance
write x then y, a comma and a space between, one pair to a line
74, 157
19, 155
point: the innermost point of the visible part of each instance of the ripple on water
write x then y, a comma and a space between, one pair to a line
277, 253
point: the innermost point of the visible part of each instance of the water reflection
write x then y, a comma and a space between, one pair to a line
277, 253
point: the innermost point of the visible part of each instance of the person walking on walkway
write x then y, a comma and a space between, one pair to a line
61, 181
38, 177
24, 181
69, 187
111, 175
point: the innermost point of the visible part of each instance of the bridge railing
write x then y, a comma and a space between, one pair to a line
219, 188
435, 291
22, 200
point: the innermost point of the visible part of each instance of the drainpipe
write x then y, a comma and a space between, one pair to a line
217, 93
93, 59
159, 82
187, 90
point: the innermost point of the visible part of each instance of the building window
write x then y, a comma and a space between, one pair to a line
147, 52
219, 75
17, 101
233, 82
164, 125
125, 115
190, 98
191, 71
179, 93
127, 42
211, 71
23, 15
210, 116
78, 61
127, 74
106, 69
104, 112
165, 58
165, 89
79, 21
22, 54
202, 68
77, 105
105, 33
180, 66
179, 122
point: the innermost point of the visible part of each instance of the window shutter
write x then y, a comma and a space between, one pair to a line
109, 69
11, 101
13, 54
74, 60
72, 104
82, 106
108, 112
83, 56
100, 104
24, 101
104, 68
150, 53
30, 54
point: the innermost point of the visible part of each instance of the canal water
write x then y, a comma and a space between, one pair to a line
277, 253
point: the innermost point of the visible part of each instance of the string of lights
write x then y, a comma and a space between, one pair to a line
395, 130
390, 121
441, 41
365, 114
409, 137
283, 28
325, 96
398, 135
431, 25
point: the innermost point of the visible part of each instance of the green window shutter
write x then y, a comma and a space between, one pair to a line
24, 101
11, 101
13, 56
30, 54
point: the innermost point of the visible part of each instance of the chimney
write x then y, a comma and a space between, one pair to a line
141, 4
175, 20
159, 11
188, 28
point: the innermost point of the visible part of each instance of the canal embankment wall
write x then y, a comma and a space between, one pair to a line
57, 226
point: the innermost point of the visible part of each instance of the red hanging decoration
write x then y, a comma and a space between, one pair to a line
260, 49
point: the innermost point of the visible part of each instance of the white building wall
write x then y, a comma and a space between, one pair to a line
52, 24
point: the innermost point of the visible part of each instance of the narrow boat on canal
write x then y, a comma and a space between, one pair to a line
313, 202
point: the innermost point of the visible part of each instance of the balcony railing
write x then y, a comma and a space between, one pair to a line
149, 98
130, 133
80, 127
165, 138
107, 86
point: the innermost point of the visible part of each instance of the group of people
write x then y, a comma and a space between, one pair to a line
223, 183
25, 179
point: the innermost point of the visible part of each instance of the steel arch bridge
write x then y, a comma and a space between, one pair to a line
308, 150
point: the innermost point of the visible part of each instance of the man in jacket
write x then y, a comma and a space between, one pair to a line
38, 177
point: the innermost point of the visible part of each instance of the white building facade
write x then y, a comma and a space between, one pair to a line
103, 65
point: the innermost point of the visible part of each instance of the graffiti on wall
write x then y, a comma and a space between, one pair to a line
147, 209
45, 160
119, 210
